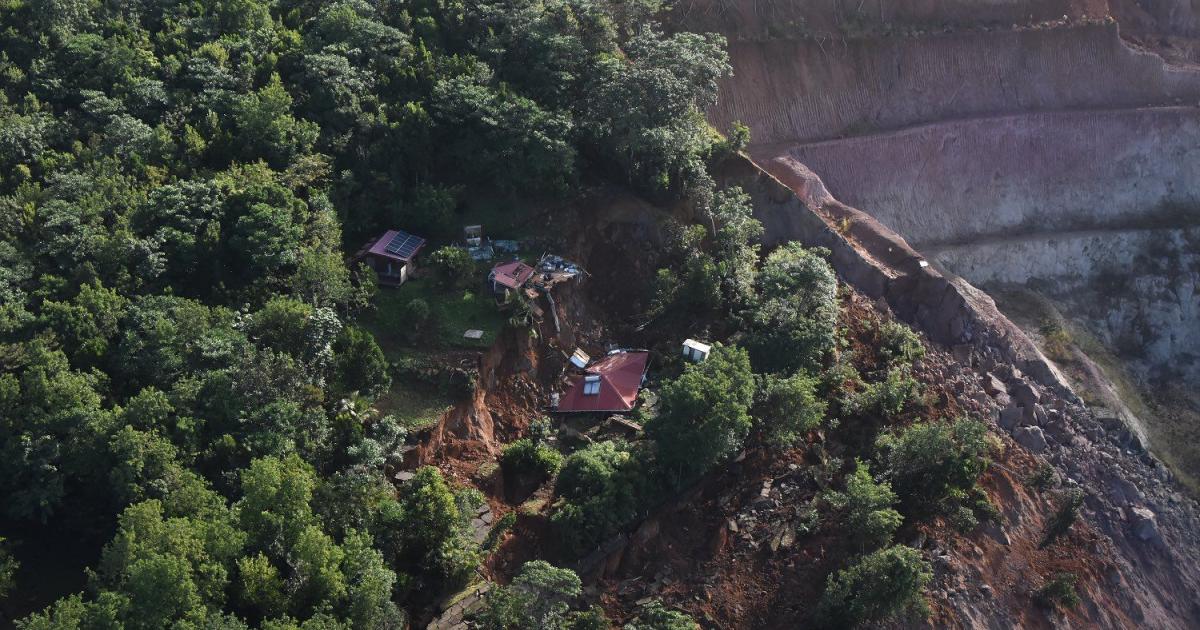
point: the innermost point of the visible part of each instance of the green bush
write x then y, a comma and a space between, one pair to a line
704, 414
866, 507
898, 344
790, 408
655, 616
931, 462
793, 326
359, 364
1059, 591
1064, 516
530, 459
498, 530
878, 586
887, 397
1042, 478
602, 488
415, 315
454, 266
539, 598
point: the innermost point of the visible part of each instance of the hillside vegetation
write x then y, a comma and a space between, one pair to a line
184, 392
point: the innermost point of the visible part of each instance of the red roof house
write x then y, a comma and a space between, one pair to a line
610, 384
511, 275
392, 256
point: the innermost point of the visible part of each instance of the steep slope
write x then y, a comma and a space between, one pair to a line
1054, 157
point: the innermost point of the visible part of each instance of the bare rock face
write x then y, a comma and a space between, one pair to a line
1145, 524
1032, 438
1026, 395
993, 385
1011, 416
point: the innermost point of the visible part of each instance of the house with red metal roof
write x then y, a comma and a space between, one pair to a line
610, 385
392, 256
509, 276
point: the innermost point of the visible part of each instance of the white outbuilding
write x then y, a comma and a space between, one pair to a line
695, 351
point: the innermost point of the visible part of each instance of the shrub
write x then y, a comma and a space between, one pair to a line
793, 326
1058, 591
790, 408
8, 569
655, 616
963, 519
454, 266
704, 414
887, 397
498, 530
359, 364
928, 463
414, 315
880, 585
429, 528
602, 488
898, 344
1042, 478
1068, 511
866, 504
538, 598
526, 458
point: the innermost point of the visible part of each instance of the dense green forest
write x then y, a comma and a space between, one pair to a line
190, 380
181, 373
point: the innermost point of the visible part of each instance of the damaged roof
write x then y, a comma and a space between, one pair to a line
512, 275
620, 378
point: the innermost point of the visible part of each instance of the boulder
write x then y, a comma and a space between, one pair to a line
1031, 438
1026, 394
1010, 417
1145, 524
996, 532
1122, 491
993, 385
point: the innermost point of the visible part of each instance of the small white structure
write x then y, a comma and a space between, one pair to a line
591, 385
695, 351
580, 359
473, 235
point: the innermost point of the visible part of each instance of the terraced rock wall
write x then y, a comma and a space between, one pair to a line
968, 180
790, 91
743, 19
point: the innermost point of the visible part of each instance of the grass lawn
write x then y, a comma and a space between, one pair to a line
452, 312
415, 406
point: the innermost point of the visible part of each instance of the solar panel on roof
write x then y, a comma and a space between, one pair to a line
404, 245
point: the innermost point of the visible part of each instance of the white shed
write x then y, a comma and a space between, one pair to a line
580, 359
695, 351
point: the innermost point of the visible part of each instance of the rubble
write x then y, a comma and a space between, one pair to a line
1031, 438
1145, 524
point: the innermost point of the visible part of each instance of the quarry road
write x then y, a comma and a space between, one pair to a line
763, 152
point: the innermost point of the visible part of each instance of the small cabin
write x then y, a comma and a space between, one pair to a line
695, 351
392, 256
509, 276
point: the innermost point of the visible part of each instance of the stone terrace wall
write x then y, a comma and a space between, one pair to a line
982, 178
801, 91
